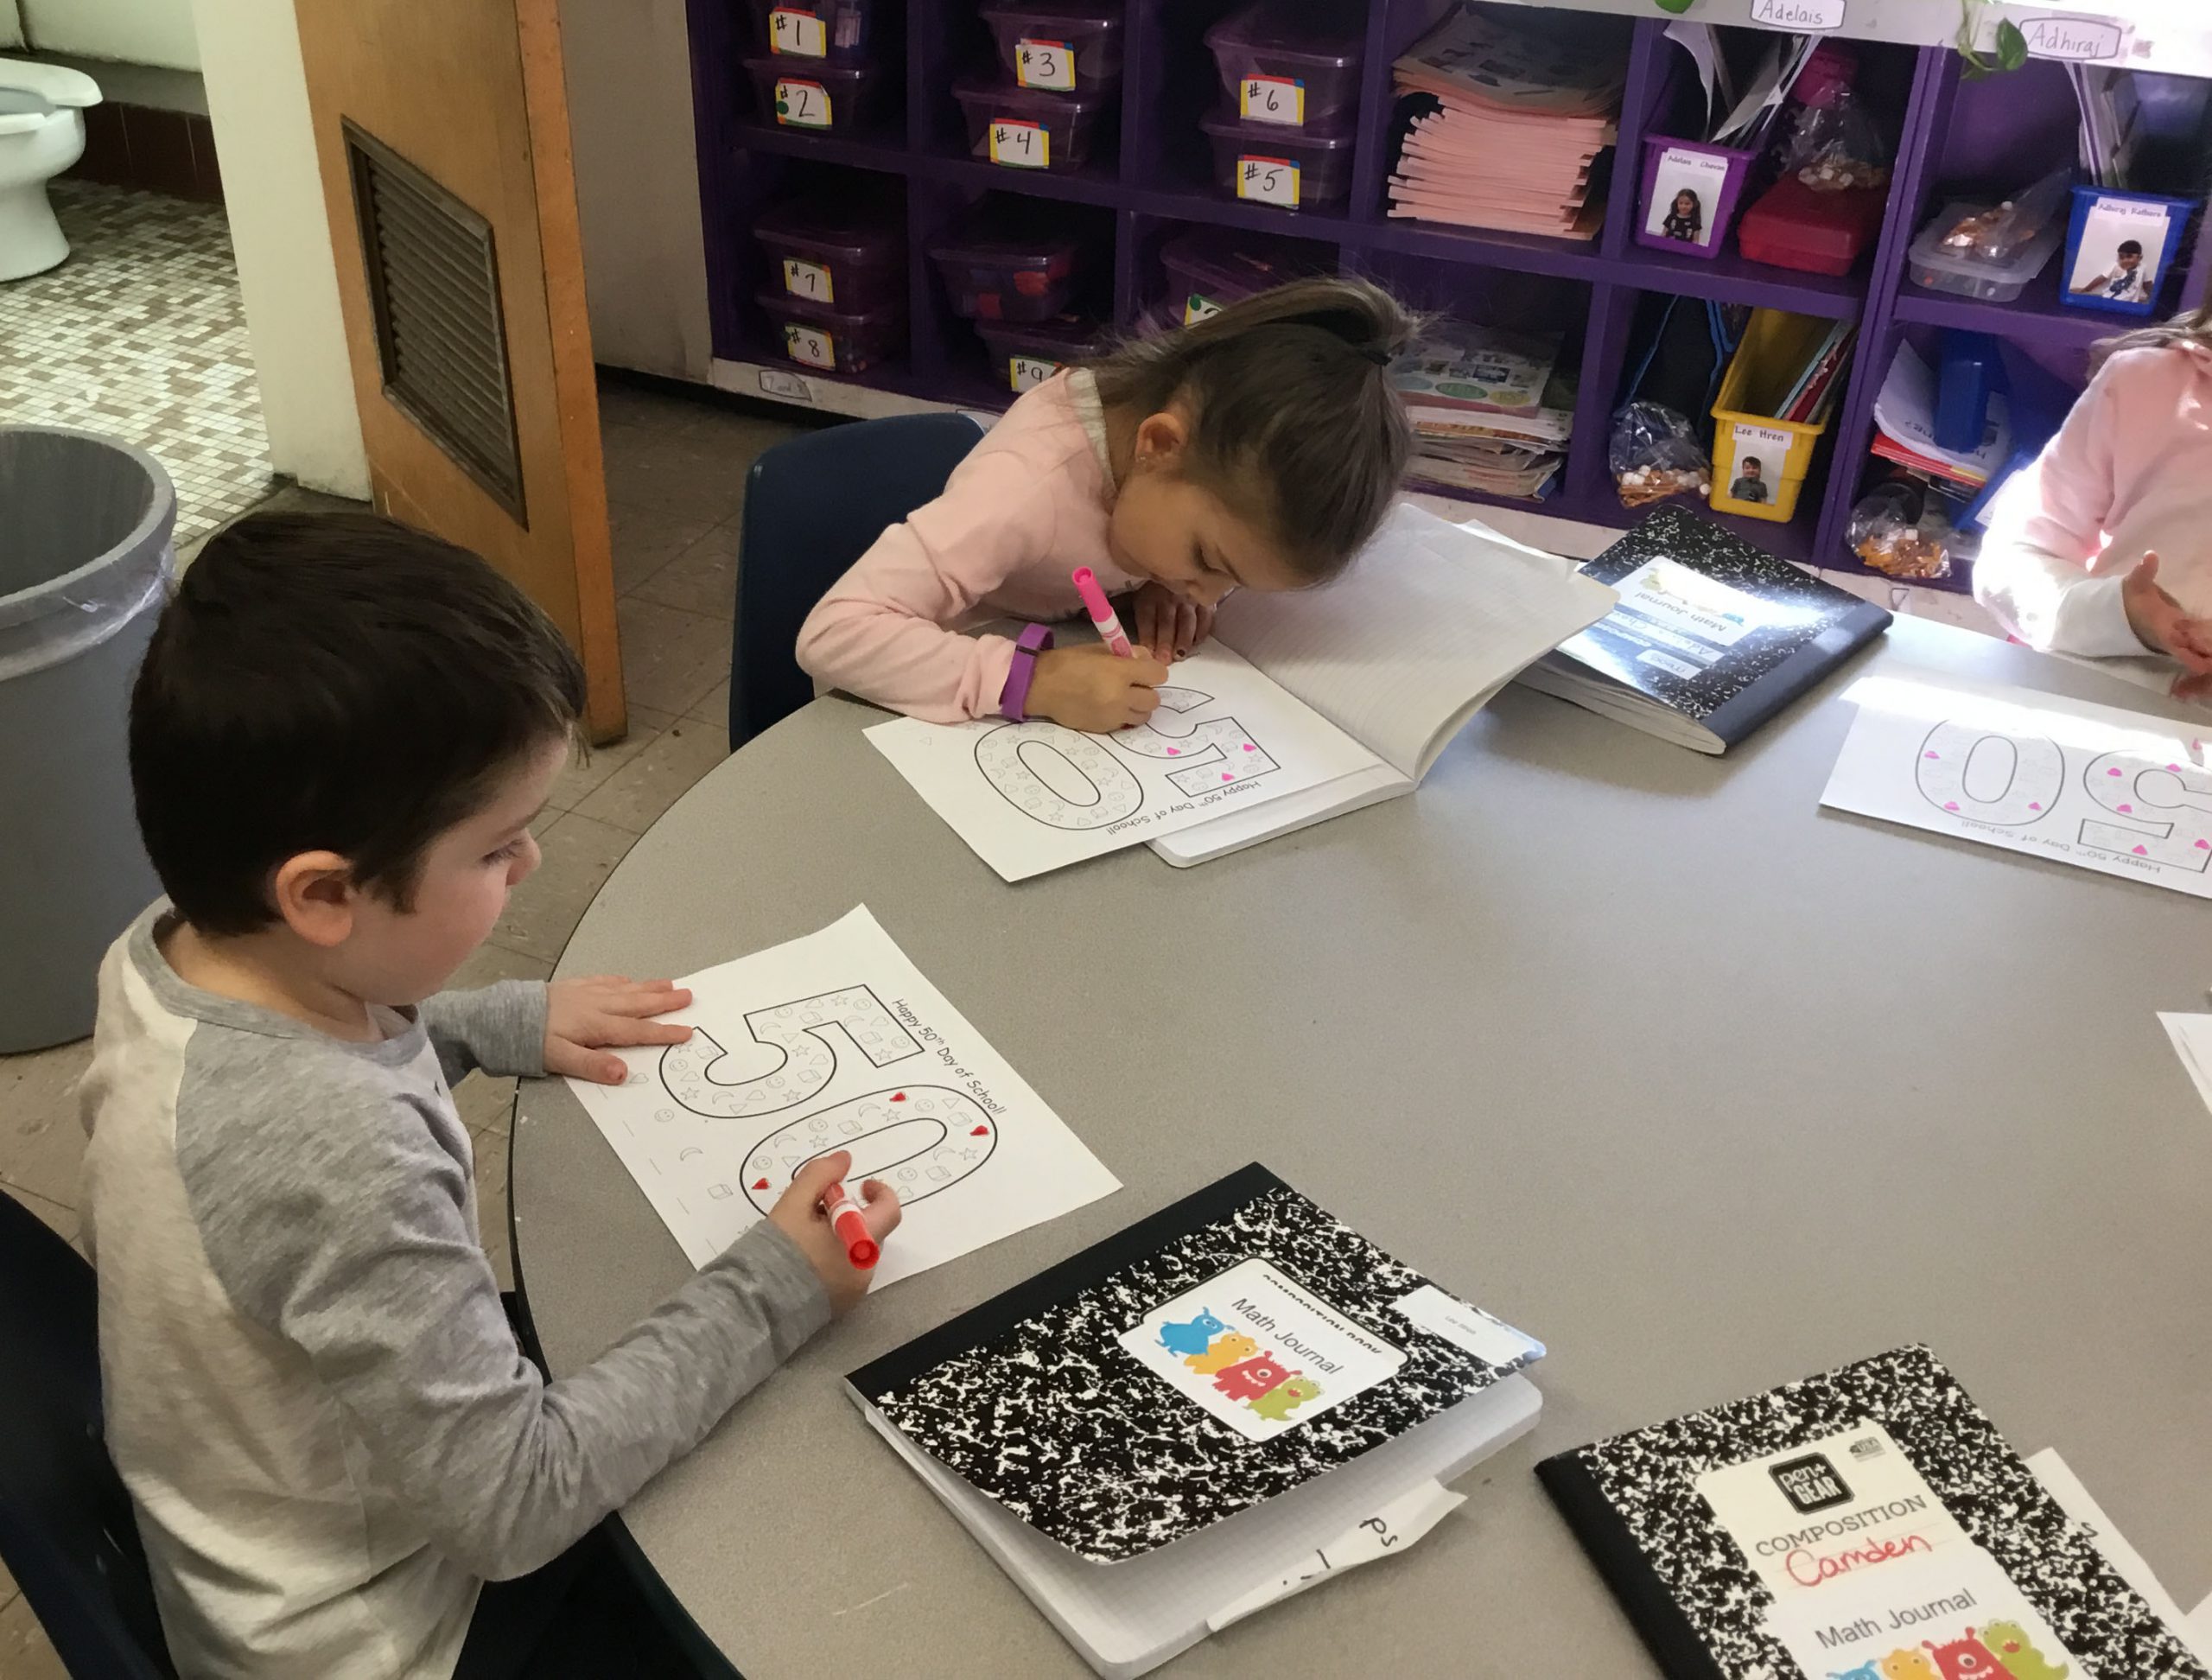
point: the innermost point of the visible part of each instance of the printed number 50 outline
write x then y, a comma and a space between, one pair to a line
1209, 755
2124, 785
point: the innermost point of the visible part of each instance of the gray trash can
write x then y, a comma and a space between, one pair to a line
86, 558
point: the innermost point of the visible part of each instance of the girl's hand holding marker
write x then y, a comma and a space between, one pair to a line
1111, 686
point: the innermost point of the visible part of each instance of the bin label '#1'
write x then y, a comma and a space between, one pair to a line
1020, 145
797, 33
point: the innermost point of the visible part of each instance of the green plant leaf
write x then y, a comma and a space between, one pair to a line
2011, 46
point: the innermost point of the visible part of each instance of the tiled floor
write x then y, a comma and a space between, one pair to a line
676, 472
141, 334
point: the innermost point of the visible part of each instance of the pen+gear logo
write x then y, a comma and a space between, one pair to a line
1810, 1483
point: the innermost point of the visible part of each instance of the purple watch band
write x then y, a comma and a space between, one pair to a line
1014, 698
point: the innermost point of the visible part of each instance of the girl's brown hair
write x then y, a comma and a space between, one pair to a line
2196, 328
1293, 421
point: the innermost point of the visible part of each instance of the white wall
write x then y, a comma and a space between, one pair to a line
629, 74
136, 31
257, 100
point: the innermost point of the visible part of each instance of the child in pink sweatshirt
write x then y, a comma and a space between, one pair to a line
2103, 548
1258, 449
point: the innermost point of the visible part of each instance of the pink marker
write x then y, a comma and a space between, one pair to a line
1101, 613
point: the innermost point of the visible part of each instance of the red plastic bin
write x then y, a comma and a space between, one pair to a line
848, 257
1060, 45
1794, 226
1026, 355
841, 30
1003, 263
1023, 129
1290, 169
832, 340
1304, 56
820, 94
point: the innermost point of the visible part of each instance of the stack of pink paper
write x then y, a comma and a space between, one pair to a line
1519, 126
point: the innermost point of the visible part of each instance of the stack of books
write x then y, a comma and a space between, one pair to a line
1504, 129
1491, 410
1904, 423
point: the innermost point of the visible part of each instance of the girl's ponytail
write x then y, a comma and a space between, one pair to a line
2195, 328
1293, 419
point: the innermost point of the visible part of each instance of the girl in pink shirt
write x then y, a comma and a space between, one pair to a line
2103, 548
1258, 449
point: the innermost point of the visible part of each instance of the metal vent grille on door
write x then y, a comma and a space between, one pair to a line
433, 287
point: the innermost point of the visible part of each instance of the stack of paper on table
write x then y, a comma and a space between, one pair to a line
1509, 131
1304, 706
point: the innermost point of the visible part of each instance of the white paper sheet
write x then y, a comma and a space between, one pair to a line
2120, 793
835, 1041
2076, 1500
1036, 796
2192, 1039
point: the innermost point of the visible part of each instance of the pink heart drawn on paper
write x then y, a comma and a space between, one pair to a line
2035, 804
2112, 772
1174, 752
2139, 852
2173, 767
2204, 845
1227, 776
1950, 804
1248, 747
2126, 808
1931, 755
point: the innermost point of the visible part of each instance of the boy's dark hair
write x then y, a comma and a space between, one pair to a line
1293, 422
1752, 464
331, 682
2131, 247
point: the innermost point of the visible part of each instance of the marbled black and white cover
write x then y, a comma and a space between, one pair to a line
1701, 1607
1770, 666
1033, 1399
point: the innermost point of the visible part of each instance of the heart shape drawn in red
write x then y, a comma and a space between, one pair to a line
759, 1184
898, 1096
981, 1131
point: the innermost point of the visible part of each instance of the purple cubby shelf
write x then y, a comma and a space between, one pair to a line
1147, 178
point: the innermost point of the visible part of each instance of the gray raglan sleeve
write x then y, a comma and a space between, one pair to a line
334, 1219
499, 1029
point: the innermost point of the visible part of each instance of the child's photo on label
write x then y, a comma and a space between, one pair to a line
1258, 1351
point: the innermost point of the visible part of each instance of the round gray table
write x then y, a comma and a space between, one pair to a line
1703, 1085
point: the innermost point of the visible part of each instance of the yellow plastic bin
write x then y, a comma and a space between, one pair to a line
1759, 462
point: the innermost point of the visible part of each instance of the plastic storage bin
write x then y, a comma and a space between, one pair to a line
844, 256
1711, 177
1208, 268
1290, 63
816, 28
2101, 273
1775, 348
1292, 169
815, 93
1795, 226
1059, 46
1962, 271
835, 341
1028, 355
1023, 129
85, 565
1002, 265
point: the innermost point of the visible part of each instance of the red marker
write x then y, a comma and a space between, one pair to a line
844, 1211
1103, 616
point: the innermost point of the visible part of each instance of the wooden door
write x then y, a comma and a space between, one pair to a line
441, 131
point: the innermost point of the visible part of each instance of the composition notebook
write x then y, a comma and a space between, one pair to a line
1304, 706
1712, 638
1162, 1432
1868, 1523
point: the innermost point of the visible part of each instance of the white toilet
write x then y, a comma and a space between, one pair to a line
41, 134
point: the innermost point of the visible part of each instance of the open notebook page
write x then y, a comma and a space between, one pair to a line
1430, 622
1127, 1618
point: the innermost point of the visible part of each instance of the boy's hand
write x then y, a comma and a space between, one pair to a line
1168, 622
2160, 624
582, 1016
797, 1213
1089, 689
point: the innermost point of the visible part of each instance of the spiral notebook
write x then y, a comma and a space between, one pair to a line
1866, 1523
1154, 1437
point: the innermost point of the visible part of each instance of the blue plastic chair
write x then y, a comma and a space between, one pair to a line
67, 1532
812, 506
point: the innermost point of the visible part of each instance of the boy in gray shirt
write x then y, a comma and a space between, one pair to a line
338, 739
